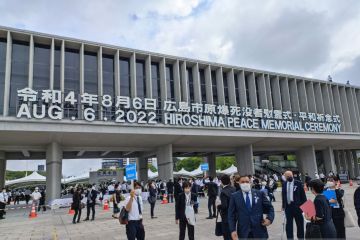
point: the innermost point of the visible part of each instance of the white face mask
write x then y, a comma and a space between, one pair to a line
330, 184
245, 187
263, 183
137, 192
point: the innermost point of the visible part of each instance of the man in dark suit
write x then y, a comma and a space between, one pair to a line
90, 202
186, 198
293, 196
170, 190
245, 214
177, 188
212, 194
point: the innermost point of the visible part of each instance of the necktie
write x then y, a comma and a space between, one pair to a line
138, 202
247, 201
288, 193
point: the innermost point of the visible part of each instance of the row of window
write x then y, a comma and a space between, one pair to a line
41, 70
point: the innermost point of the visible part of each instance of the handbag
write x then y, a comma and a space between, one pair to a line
349, 220
218, 226
190, 215
312, 231
124, 216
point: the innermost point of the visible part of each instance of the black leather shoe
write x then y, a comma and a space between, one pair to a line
86, 219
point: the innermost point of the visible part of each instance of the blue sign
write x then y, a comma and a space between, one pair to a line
204, 167
130, 171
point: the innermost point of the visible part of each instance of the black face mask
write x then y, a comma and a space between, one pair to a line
290, 179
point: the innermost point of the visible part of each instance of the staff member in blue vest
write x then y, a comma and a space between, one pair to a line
293, 196
245, 214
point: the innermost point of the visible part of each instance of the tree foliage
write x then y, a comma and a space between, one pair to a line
192, 163
152, 168
223, 163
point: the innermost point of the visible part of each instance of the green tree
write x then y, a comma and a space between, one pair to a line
224, 162
189, 163
152, 168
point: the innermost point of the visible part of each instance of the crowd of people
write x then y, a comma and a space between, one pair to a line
242, 203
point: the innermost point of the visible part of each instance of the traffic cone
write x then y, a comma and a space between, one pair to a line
106, 205
33, 212
351, 183
164, 200
305, 188
71, 211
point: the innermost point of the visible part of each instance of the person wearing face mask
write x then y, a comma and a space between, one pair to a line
152, 198
225, 195
293, 196
323, 216
245, 214
90, 202
185, 200
134, 206
35, 196
265, 188
3, 201
337, 207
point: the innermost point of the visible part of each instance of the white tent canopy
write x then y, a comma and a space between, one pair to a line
72, 179
231, 170
183, 172
34, 177
152, 175
197, 172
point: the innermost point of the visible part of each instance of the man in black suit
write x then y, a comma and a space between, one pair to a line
170, 190
177, 188
293, 196
185, 199
90, 202
212, 194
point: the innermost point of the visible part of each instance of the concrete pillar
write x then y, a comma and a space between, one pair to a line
162, 73
262, 91
211, 159
329, 160
31, 63
337, 161
345, 109
244, 160
302, 95
268, 91
209, 93
220, 86
2, 169
62, 66
133, 74
349, 166
252, 90
52, 63
275, 90
117, 72
7, 74
231, 88
177, 82
356, 164
342, 160
310, 96
142, 169
295, 105
184, 82
285, 94
318, 98
196, 83
54, 156
165, 162
148, 76
306, 156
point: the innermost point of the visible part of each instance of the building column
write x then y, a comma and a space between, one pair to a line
342, 160
2, 169
54, 157
356, 164
244, 160
329, 160
349, 166
306, 157
337, 160
165, 162
211, 159
142, 169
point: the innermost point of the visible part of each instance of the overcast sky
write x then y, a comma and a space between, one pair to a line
301, 37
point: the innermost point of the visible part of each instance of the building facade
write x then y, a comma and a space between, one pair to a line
63, 98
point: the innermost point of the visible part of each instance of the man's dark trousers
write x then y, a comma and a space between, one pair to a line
292, 212
211, 204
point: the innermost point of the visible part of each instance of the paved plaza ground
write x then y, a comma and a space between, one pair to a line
56, 224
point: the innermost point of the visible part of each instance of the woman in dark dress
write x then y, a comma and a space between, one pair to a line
76, 205
337, 207
323, 216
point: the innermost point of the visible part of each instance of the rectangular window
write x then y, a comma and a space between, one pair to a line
247, 91
41, 67
226, 88
203, 85
72, 70
19, 72
140, 79
2, 72
214, 87
108, 83
124, 77
191, 84
155, 81
90, 72
170, 82
237, 97
57, 63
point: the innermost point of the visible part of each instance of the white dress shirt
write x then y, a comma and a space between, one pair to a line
134, 213
290, 192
